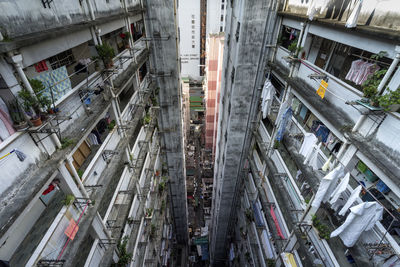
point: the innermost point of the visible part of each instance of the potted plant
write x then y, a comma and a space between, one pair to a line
17, 115
370, 87
390, 101
125, 39
39, 89
31, 106
152, 233
106, 53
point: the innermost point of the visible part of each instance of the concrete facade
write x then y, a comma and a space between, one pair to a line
240, 92
161, 25
115, 183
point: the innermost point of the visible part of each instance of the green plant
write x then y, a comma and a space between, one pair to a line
271, 262
276, 144
293, 47
16, 112
80, 173
249, 215
307, 200
29, 102
247, 255
129, 220
106, 53
123, 255
111, 125
389, 99
65, 142
371, 84
149, 212
323, 230
68, 200
146, 119
39, 90
152, 233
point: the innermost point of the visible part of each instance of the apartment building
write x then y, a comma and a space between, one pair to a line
312, 123
87, 175
212, 87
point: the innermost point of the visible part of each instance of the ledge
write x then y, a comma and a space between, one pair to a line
127, 75
37, 37
334, 115
382, 33
385, 158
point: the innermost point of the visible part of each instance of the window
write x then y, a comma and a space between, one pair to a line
288, 36
192, 36
339, 63
221, 29
192, 26
65, 58
193, 32
192, 21
193, 46
222, 6
222, 17
193, 17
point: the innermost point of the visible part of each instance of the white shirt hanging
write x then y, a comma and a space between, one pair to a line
314, 161
340, 189
308, 144
362, 218
354, 195
327, 186
353, 18
267, 96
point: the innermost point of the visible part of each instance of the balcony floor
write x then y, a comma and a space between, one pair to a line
39, 229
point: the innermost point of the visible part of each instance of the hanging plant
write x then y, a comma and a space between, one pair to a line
17, 115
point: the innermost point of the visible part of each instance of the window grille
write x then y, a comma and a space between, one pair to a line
65, 58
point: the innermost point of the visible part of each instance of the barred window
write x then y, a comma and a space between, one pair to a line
65, 58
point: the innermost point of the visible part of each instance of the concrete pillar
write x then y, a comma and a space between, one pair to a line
69, 182
17, 60
7, 73
98, 32
77, 178
56, 141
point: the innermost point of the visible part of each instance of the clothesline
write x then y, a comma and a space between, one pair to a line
371, 59
366, 189
319, 72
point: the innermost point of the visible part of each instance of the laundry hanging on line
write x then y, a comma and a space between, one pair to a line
282, 127
327, 186
354, 195
339, 189
308, 144
360, 71
353, 18
362, 217
267, 97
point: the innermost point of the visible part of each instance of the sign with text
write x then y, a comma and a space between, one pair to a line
322, 89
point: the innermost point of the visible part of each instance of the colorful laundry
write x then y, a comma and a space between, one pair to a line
56, 80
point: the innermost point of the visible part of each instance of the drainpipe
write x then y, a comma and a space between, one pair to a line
17, 60
97, 31
77, 178
381, 87
89, 4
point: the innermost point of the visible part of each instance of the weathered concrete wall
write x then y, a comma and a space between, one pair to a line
244, 62
27, 16
383, 14
161, 28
